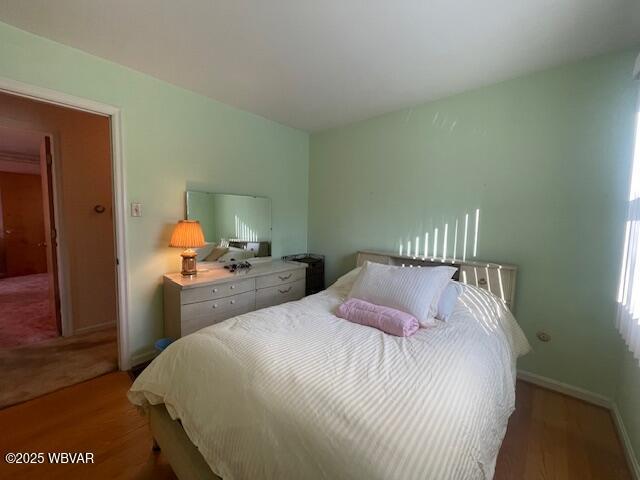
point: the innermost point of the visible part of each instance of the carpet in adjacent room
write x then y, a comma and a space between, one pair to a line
25, 313
29, 371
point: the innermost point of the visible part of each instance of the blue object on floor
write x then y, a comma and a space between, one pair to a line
162, 344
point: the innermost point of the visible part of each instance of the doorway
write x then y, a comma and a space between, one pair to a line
57, 250
29, 306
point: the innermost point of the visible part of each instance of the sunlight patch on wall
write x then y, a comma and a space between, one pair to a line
426, 245
444, 243
435, 242
475, 237
455, 241
466, 233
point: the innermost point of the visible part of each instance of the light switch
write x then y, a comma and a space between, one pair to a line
136, 209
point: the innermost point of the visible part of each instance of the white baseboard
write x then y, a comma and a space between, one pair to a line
143, 357
93, 328
567, 389
632, 461
596, 399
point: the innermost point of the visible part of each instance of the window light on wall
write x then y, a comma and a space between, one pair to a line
437, 242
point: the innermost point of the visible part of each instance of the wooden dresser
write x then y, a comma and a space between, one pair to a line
213, 296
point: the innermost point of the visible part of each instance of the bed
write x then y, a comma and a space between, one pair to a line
293, 392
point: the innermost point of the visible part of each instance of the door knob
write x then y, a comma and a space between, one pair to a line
99, 208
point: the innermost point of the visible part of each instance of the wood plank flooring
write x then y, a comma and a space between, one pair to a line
550, 436
94, 416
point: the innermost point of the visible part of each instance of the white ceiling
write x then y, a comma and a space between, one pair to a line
318, 64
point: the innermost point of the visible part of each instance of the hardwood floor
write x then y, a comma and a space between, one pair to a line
94, 416
553, 436
550, 436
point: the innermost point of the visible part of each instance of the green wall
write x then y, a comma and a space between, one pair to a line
546, 158
172, 139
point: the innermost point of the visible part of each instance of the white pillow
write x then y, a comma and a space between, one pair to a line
448, 300
410, 289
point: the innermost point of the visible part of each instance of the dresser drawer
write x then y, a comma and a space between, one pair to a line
220, 290
267, 297
281, 278
199, 315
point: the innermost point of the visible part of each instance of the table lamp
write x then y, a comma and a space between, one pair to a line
187, 234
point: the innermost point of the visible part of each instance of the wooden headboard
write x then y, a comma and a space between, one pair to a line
498, 278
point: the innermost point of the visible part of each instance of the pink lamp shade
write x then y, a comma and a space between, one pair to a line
187, 234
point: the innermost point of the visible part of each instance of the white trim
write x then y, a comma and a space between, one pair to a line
55, 97
62, 254
121, 211
629, 452
566, 389
143, 357
119, 191
94, 328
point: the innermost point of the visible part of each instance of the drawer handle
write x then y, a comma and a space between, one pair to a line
285, 278
285, 291
482, 281
215, 290
215, 305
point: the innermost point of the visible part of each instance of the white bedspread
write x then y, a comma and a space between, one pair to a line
293, 392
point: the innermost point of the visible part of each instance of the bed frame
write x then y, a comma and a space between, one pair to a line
169, 436
185, 458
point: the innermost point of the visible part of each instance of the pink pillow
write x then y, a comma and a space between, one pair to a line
387, 319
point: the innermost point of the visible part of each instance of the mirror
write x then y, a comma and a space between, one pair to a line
235, 227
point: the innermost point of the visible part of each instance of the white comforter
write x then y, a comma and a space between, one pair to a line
293, 392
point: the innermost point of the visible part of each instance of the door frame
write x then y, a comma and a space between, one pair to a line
119, 193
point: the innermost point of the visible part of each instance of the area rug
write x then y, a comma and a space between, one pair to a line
25, 316
29, 371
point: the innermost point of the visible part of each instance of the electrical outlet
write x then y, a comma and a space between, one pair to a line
136, 209
543, 336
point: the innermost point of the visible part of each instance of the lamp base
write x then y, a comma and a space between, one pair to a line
189, 263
